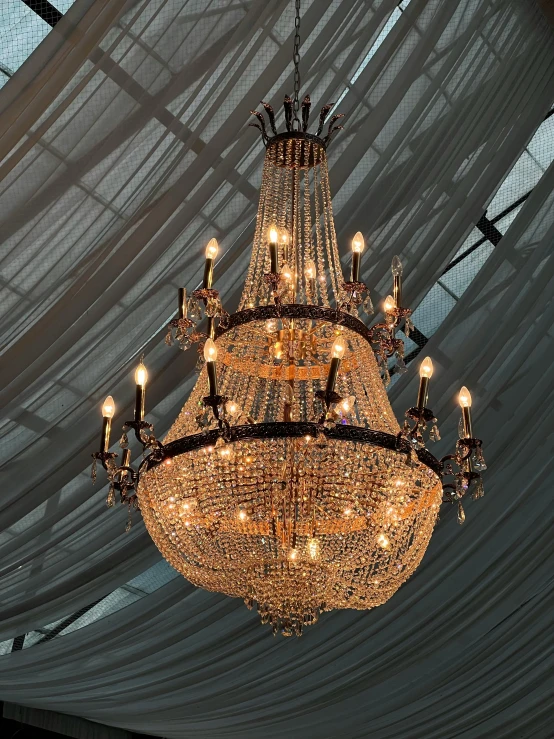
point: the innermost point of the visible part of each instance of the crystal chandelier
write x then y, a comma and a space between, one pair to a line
286, 479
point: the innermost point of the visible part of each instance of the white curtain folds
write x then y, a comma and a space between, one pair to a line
123, 149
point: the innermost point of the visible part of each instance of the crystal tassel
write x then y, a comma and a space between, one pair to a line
434, 434
478, 490
367, 306
461, 514
110, 500
169, 337
93, 471
124, 441
129, 520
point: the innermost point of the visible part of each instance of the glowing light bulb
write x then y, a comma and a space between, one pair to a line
293, 554
271, 325
358, 243
396, 266
212, 249
464, 398
242, 515
426, 368
347, 511
310, 270
141, 375
210, 351
383, 541
284, 237
108, 407
286, 273
232, 408
313, 548
273, 235
338, 348
390, 304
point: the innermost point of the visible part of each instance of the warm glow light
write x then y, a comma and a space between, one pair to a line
310, 271
212, 249
358, 243
108, 408
232, 408
383, 541
464, 398
396, 266
293, 554
242, 515
347, 511
286, 273
284, 237
271, 325
338, 348
390, 304
210, 351
141, 375
273, 235
313, 548
426, 368
345, 405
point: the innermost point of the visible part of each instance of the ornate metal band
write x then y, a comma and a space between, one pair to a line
296, 310
296, 429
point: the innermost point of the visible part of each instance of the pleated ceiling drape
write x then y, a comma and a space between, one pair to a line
123, 149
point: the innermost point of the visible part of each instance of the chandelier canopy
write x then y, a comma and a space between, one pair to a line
286, 479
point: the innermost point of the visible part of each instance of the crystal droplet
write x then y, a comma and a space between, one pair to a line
478, 490
124, 441
185, 342
461, 514
461, 429
169, 336
478, 460
386, 376
110, 500
199, 364
211, 307
408, 327
129, 521
435, 435
93, 471
194, 309
400, 368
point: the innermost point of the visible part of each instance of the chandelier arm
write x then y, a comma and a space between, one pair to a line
294, 429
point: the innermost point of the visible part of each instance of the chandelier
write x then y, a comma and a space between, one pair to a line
286, 479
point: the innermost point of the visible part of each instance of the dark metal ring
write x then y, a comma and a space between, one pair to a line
296, 429
297, 310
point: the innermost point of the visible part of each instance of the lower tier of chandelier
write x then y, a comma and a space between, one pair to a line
298, 523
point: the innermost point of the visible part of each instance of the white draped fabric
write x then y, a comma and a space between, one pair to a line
123, 150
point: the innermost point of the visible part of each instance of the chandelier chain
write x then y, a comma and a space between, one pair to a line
296, 61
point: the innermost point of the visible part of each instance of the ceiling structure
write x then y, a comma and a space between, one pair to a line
124, 149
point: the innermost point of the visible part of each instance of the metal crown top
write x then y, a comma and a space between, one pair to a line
292, 122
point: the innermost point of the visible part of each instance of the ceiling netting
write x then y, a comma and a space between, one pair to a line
123, 150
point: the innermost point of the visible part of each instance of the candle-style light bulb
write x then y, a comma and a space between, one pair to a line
273, 236
210, 351
389, 305
210, 355
338, 348
426, 369
358, 245
310, 270
212, 249
108, 407
108, 410
464, 399
425, 373
396, 268
211, 253
337, 353
141, 376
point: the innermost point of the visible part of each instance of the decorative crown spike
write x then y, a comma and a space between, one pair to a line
288, 106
